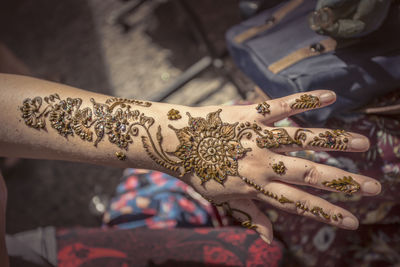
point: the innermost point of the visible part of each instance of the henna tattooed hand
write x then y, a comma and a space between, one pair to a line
231, 157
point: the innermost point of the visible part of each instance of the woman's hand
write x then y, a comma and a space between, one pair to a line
231, 157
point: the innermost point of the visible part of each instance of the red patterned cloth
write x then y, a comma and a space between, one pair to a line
228, 246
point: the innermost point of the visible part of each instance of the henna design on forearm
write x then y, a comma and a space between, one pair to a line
336, 139
120, 155
279, 168
346, 185
306, 102
263, 108
66, 117
174, 114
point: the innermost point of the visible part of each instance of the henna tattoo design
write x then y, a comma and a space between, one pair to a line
336, 139
173, 114
306, 102
209, 148
276, 137
245, 223
263, 108
282, 199
114, 118
120, 155
279, 168
318, 211
346, 185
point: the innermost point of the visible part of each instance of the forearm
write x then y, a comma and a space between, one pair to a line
91, 128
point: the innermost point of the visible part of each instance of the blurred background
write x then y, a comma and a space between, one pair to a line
134, 49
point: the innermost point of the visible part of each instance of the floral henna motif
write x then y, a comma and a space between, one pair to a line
306, 102
346, 185
173, 114
263, 108
114, 118
336, 139
279, 168
209, 148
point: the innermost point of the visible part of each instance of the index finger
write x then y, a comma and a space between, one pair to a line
280, 108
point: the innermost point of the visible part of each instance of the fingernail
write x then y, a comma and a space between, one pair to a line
371, 188
359, 144
350, 223
265, 239
327, 97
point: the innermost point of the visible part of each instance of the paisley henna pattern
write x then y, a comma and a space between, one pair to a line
346, 185
336, 139
306, 102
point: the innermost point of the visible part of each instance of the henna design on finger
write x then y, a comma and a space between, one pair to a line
120, 155
336, 139
173, 114
306, 102
229, 211
318, 211
276, 137
346, 185
282, 199
263, 108
271, 138
279, 168
337, 217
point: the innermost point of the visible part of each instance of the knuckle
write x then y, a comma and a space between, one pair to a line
311, 175
284, 106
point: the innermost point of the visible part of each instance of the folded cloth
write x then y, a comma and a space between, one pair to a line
156, 200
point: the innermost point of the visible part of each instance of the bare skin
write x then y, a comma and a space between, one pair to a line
203, 146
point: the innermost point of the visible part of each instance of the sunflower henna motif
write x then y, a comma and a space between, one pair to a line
209, 148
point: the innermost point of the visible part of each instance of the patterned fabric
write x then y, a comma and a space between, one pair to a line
377, 242
156, 200
165, 247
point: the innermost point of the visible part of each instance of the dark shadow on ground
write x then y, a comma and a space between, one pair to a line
58, 41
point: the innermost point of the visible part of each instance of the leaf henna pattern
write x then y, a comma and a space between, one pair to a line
336, 139
306, 102
346, 185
